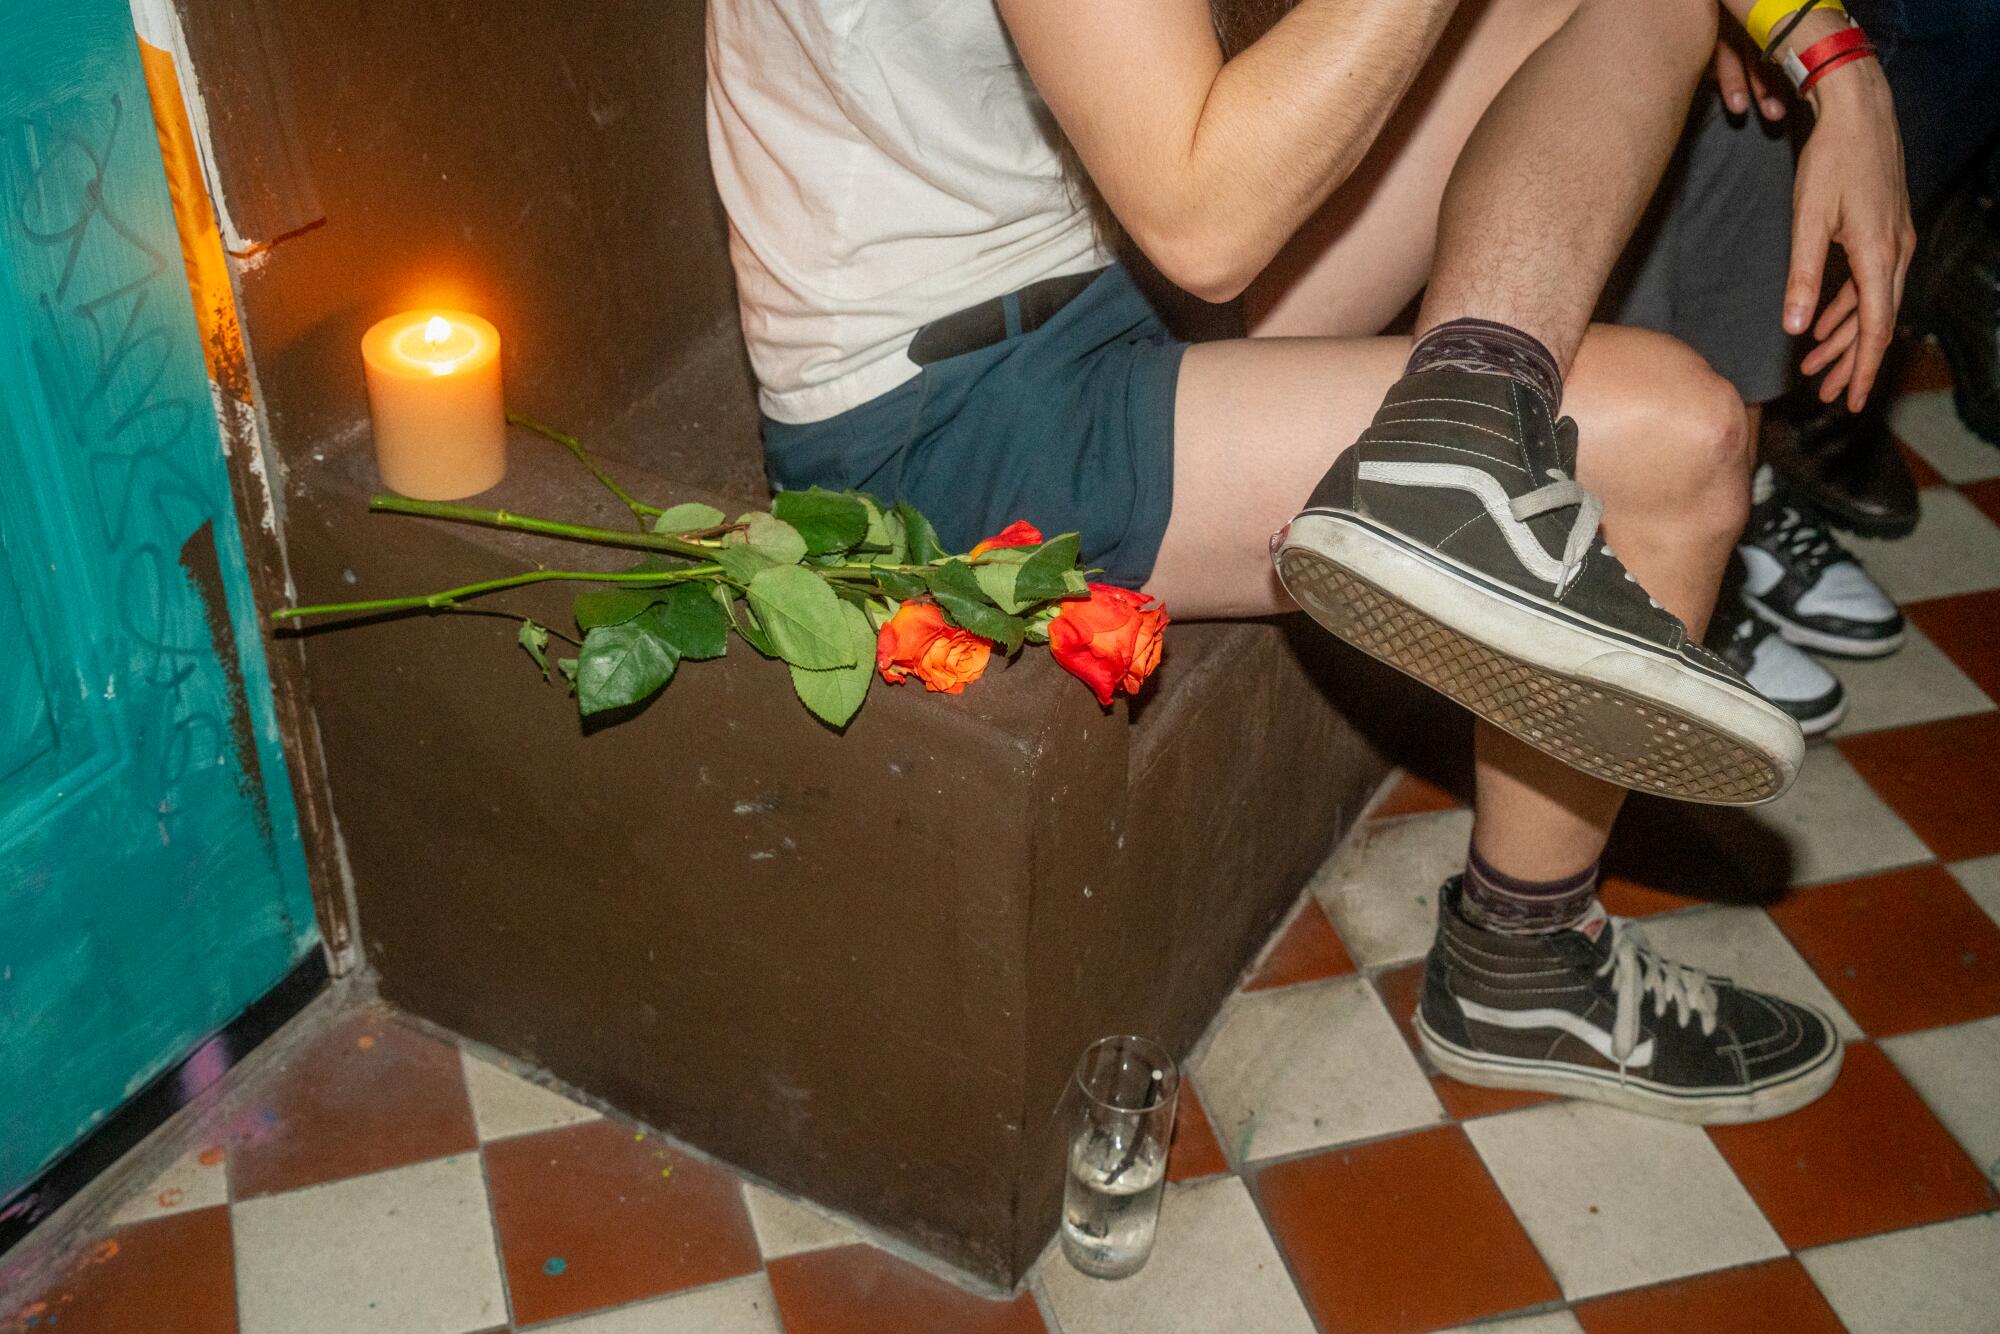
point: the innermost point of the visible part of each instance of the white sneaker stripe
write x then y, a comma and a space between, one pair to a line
1460, 477
1598, 1040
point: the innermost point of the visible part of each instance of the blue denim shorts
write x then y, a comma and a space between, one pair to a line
1070, 426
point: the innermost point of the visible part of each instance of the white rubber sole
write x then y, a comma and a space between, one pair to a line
1818, 641
1825, 722
1588, 696
1634, 1093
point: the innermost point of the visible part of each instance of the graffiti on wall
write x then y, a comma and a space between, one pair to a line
151, 879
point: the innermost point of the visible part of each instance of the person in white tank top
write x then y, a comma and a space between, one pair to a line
883, 162
901, 226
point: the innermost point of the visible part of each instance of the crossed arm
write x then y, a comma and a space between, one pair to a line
1211, 166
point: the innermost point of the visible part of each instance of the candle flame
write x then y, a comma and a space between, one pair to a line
437, 331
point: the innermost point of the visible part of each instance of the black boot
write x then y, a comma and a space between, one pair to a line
1845, 463
1955, 297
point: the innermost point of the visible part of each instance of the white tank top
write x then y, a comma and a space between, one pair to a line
883, 162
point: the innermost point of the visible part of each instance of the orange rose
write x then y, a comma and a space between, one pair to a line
1110, 642
916, 640
1019, 533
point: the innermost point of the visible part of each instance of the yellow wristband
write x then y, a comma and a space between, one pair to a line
1768, 14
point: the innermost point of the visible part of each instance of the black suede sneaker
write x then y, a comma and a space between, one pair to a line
1592, 1012
1453, 543
1801, 580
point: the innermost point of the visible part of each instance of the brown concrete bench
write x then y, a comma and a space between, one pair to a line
859, 967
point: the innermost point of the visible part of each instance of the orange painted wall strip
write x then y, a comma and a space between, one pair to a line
194, 217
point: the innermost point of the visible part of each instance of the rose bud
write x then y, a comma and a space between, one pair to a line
1019, 533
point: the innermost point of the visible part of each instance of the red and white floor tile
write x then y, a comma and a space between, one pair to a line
1323, 1178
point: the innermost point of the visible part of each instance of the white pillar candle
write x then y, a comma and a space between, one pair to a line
434, 398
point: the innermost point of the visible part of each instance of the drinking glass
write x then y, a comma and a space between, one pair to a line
1126, 1090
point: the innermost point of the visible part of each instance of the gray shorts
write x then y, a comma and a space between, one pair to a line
1708, 262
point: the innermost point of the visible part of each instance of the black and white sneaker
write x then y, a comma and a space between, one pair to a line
1779, 671
1453, 543
1805, 583
1592, 1012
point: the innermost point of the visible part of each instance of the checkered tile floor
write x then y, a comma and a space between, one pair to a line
1323, 1178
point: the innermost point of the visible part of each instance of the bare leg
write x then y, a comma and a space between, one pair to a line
1537, 818
1383, 221
1551, 183
1663, 443
1533, 141
1509, 179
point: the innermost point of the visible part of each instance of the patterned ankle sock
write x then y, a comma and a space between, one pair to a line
1483, 345
1500, 902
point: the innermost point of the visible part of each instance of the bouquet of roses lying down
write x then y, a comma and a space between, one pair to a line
837, 585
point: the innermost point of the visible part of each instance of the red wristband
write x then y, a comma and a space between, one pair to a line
1805, 67
1835, 65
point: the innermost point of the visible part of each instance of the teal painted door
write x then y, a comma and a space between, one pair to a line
151, 882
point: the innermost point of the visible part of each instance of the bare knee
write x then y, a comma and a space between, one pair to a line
1718, 441
1666, 439
1706, 450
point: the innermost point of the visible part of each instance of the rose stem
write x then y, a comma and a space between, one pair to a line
640, 509
447, 597
611, 537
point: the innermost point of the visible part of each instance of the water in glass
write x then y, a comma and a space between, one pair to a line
1118, 1155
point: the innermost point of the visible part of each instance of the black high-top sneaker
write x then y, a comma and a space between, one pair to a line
1801, 580
1453, 543
1593, 1012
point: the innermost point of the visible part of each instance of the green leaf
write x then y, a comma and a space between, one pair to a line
743, 621
923, 538
997, 580
802, 617
613, 606
535, 639
827, 520
688, 518
879, 537
836, 694
880, 612
742, 563
898, 584
1038, 623
965, 604
771, 537
899, 540
567, 666
694, 622
1042, 573
955, 579
623, 664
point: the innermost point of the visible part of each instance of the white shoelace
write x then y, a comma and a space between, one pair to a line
1811, 547
1561, 493
1636, 973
